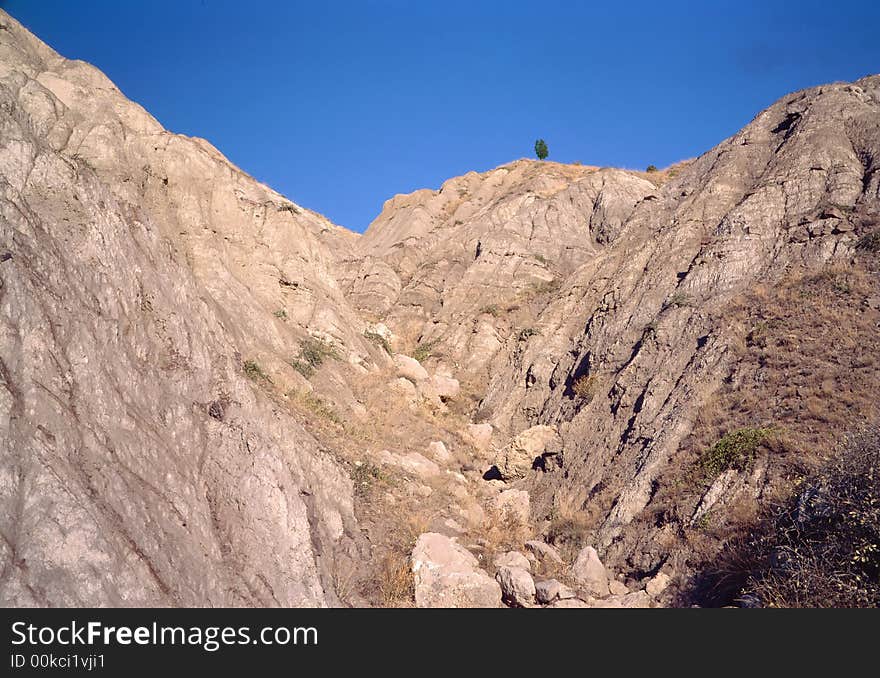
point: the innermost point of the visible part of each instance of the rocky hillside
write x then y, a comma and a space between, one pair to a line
545, 384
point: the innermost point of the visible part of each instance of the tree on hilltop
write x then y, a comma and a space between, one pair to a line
541, 149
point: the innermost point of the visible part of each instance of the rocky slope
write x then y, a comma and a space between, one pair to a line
213, 396
141, 272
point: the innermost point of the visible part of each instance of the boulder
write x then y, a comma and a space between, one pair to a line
517, 586
446, 388
409, 368
448, 575
512, 505
544, 552
617, 588
512, 559
518, 456
551, 590
657, 584
590, 574
480, 435
413, 462
405, 388
637, 599
439, 452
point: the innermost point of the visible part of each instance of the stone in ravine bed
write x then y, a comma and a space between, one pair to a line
512, 559
550, 590
590, 574
448, 575
544, 552
517, 586
636, 599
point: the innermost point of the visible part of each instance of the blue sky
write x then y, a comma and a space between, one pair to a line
340, 105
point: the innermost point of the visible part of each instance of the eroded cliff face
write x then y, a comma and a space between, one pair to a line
602, 305
205, 399
139, 464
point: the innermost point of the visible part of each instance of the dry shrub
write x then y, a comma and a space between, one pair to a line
821, 548
586, 387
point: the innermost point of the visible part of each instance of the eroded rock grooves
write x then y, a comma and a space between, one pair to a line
212, 396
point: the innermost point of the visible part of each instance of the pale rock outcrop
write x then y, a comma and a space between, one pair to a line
448, 575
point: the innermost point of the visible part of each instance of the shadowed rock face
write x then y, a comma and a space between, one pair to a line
150, 290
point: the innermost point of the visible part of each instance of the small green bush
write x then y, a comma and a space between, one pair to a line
314, 351
425, 350
302, 367
735, 450
492, 310
651, 168
281, 314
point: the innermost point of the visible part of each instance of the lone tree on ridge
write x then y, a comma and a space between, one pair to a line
541, 149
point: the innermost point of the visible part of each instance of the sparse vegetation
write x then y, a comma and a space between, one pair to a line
253, 371
365, 476
527, 332
679, 299
281, 314
870, 242
425, 350
541, 259
820, 548
317, 406
492, 310
379, 340
302, 367
651, 168
585, 387
735, 450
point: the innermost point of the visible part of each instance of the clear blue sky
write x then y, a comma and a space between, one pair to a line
340, 105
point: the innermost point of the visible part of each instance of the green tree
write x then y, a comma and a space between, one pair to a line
541, 149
